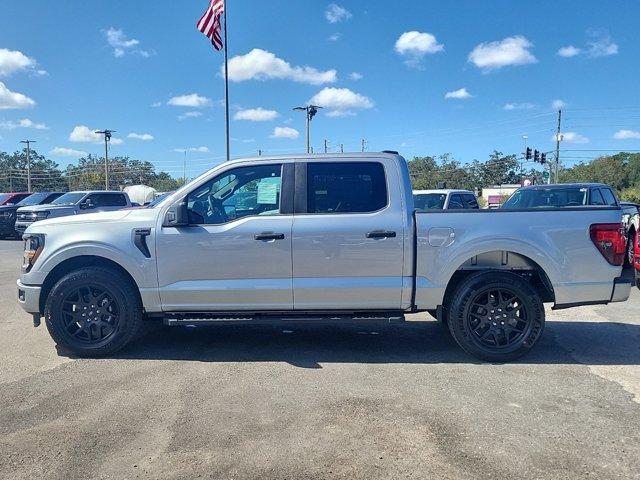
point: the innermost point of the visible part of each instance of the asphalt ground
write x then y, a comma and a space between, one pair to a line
321, 402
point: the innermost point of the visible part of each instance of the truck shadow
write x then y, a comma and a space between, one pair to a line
589, 343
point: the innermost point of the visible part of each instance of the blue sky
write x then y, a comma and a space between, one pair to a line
383, 71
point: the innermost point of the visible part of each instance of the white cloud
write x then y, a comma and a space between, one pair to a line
569, 51
68, 152
335, 13
192, 149
459, 94
122, 45
415, 45
509, 51
12, 61
627, 135
260, 64
340, 113
189, 115
601, 44
334, 37
156, 104
83, 134
340, 101
558, 104
285, 132
145, 137
518, 106
356, 76
11, 100
192, 100
24, 123
572, 137
256, 115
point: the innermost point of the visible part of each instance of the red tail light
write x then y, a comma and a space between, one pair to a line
610, 240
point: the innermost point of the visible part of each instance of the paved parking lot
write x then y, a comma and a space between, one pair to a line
321, 402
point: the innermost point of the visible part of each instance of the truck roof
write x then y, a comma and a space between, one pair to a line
564, 185
442, 191
321, 156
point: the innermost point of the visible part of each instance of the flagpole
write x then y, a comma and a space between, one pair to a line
226, 82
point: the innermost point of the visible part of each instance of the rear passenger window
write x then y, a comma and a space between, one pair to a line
470, 201
355, 187
596, 197
455, 202
108, 200
609, 198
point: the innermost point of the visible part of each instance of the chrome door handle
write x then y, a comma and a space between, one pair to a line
269, 236
381, 234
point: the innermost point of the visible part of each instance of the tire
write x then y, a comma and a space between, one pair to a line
496, 316
93, 311
630, 249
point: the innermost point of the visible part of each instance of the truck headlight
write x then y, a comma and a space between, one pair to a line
33, 245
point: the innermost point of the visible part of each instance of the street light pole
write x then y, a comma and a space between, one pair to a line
310, 112
107, 137
28, 142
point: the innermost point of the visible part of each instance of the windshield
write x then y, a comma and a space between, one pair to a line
158, 199
4, 197
547, 197
33, 199
70, 198
425, 201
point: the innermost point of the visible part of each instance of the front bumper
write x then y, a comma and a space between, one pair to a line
29, 297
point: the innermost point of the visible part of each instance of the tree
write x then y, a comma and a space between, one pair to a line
45, 174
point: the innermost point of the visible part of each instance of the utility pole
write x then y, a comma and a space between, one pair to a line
184, 168
259, 152
558, 139
364, 143
326, 145
107, 137
341, 148
310, 112
28, 143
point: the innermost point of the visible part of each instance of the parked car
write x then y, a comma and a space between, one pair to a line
72, 203
562, 195
631, 223
446, 199
8, 212
12, 198
327, 237
636, 261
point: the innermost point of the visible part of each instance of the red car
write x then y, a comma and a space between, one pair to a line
636, 260
13, 197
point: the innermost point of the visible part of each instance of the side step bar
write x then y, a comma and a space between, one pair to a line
254, 318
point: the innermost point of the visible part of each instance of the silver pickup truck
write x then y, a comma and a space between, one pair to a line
314, 238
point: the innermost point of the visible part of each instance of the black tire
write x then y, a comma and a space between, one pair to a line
93, 311
496, 316
630, 249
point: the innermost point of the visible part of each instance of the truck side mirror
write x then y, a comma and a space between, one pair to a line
87, 204
177, 215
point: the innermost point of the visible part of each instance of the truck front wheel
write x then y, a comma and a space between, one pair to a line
496, 316
93, 311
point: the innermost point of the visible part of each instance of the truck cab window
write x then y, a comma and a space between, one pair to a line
237, 193
346, 187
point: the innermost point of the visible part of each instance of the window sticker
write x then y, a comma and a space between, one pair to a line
268, 189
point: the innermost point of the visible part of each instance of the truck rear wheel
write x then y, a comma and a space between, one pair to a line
496, 316
93, 311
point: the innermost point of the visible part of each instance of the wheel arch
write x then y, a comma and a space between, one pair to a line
75, 263
502, 261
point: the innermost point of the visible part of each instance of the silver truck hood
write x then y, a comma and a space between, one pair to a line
47, 207
145, 218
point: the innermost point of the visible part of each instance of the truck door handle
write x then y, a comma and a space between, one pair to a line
269, 236
381, 234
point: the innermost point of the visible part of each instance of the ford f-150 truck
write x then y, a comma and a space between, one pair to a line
317, 237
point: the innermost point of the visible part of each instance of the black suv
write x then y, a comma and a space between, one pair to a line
8, 212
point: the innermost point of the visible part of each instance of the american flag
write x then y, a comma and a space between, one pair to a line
210, 23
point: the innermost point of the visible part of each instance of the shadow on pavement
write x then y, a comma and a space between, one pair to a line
589, 343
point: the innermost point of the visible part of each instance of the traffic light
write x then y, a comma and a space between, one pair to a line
527, 154
543, 158
536, 156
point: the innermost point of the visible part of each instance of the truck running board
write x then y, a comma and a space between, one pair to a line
200, 318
